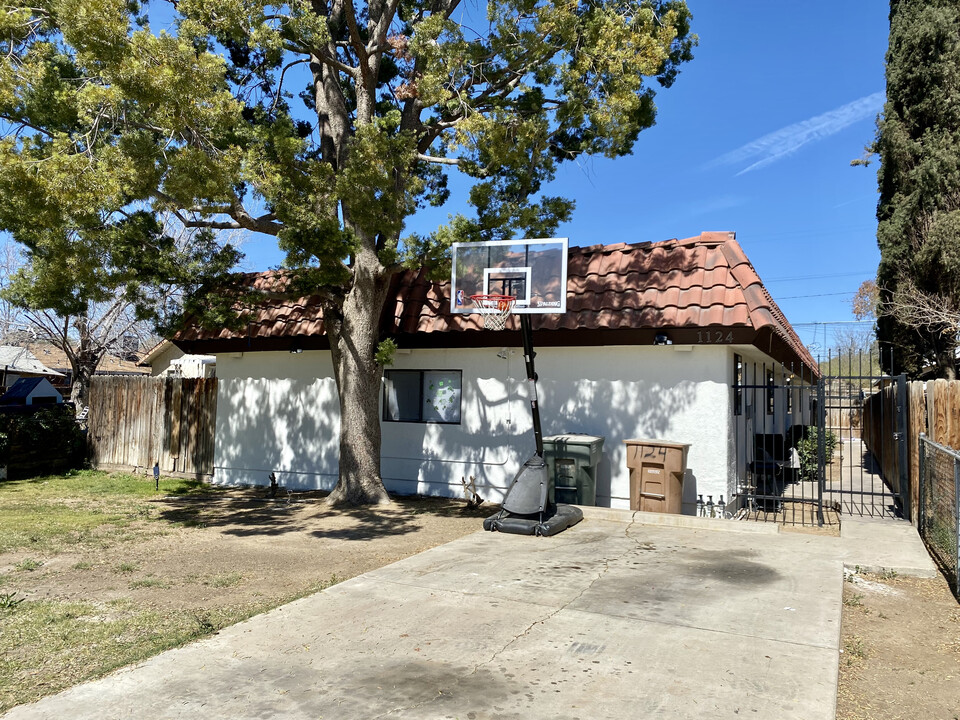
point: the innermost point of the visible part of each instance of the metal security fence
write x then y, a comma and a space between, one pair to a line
812, 445
775, 415
940, 505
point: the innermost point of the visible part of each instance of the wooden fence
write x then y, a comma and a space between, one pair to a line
137, 421
841, 406
932, 408
878, 431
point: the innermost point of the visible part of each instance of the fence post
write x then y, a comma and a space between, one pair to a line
903, 474
956, 523
821, 447
922, 462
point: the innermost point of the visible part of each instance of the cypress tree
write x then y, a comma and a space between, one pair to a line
918, 141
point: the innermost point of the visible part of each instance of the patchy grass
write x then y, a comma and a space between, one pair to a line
854, 650
899, 656
50, 644
224, 580
45, 643
8, 601
156, 570
51, 513
28, 565
149, 582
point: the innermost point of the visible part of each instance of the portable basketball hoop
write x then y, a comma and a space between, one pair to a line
495, 309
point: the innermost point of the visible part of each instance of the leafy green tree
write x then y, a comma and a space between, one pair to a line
919, 180
212, 122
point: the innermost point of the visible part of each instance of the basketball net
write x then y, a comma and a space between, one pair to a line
495, 309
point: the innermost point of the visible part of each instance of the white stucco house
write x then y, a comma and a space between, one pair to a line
455, 401
167, 360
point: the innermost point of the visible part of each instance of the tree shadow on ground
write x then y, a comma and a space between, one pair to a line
250, 512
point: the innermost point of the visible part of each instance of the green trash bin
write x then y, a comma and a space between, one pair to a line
572, 461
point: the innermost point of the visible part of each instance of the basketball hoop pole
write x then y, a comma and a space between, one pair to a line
528, 355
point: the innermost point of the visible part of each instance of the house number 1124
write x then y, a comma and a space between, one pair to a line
704, 337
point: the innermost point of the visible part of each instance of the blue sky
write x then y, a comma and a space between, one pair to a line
756, 136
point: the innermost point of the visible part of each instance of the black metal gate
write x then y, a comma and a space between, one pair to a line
862, 456
812, 447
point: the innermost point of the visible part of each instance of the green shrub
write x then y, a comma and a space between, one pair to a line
51, 433
807, 450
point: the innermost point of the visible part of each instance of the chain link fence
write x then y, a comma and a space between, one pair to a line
940, 505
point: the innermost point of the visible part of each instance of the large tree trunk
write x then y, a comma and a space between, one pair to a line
83, 369
946, 358
84, 360
354, 334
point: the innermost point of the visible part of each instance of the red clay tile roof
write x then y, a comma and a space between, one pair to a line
699, 290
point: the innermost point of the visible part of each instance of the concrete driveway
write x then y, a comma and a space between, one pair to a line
613, 618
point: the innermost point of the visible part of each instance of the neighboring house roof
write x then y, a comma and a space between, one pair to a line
164, 346
22, 388
156, 351
21, 361
616, 294
109, 364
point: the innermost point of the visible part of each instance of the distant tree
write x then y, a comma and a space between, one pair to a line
89, 299
102, 329
854, 352
107, 116
11, 322
866, 301
919, 180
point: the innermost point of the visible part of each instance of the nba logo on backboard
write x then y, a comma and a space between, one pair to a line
459, 298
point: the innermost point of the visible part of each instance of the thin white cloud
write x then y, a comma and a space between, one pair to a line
786, 141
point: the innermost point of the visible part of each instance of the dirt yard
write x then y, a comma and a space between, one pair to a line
901, 649
239, 547
167, 570
155, 572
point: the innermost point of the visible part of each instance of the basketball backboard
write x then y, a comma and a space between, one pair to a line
532, 271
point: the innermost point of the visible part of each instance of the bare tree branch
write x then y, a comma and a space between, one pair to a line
913, 307
438, 160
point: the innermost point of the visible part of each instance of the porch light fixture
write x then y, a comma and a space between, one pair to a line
295, 348
662, 339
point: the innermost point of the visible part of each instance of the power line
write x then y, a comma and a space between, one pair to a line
819, 277
832, 322
794, 297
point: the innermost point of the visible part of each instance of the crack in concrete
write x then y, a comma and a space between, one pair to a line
526, 631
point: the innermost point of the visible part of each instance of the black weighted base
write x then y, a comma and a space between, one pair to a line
556, 519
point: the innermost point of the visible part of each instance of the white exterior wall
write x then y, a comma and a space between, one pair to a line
160, 364
675, 393
279, 412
